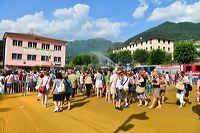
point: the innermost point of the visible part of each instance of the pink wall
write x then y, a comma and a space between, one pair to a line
24, 50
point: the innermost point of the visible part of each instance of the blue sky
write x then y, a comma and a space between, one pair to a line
116, 20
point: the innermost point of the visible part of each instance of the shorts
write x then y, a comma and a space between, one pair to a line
57, 97
67, 96
9, 85
156, 92
112, 90
119, 95
98, 84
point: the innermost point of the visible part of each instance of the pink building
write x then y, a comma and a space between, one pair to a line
28, 50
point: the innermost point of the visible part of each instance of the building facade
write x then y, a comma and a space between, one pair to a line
1, 53
29, 50
149, 45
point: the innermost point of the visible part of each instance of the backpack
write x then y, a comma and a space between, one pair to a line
61, 87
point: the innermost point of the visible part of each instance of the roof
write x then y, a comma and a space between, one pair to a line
33, 36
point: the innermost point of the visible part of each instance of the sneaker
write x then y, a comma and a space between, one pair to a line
126, 105
139, 105
180, 107
146, 104
56, 109
185, 103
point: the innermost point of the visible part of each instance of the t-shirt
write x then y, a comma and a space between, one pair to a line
46, 81
73, 79
34, 77
57, 83
112, 79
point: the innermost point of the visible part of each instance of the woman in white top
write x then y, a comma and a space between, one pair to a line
119, 88
98, 84
125, 87
45, 82
112, 87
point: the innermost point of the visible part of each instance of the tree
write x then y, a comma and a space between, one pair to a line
185, 51
168, 58
113, 57
157, 57
141, 55
124, 56
84, 59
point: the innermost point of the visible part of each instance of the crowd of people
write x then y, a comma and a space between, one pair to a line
119, 87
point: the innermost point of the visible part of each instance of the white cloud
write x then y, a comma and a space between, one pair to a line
157, 2
140, 10
67, 24
178, 11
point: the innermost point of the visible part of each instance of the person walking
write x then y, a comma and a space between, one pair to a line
88, 83
57, 97
46, 84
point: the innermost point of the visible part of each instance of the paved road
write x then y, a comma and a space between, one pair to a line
26, 115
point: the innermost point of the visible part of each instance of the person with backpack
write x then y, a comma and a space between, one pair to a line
57, 96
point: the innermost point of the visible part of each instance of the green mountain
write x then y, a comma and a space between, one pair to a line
87, 46
170, 30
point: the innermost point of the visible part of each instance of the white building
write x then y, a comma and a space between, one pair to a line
149, 44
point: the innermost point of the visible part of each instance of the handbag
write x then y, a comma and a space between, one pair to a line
140, 89
179, 86
43, 89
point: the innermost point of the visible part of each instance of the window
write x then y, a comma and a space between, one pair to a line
17, 43
146, 42
20, 43
169, 49
31, 57
158, 47
158, 40
146, 48
45, 58
151, 47
163, 41
151, 41
57, 59
188, 68
55, 47
32, 44
168, 42
16, 56
141, 43
163, 48
197, 68
130, 46
46, 46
